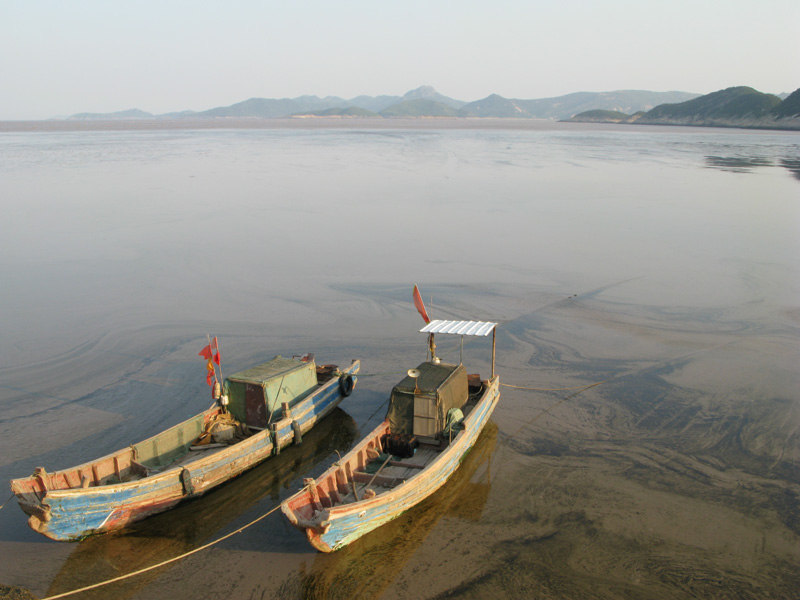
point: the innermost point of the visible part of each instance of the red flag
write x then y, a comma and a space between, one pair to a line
217, 357
420, 306
210, 374
205, 352
214, 345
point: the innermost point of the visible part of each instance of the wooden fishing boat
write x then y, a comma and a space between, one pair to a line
258, 412
435, 415
370, 566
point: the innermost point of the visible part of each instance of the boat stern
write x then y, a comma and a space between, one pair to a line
304, 512
39, 515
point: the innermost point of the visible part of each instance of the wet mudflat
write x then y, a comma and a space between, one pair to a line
634, 260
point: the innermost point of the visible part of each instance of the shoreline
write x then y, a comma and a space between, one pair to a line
276, 123
347, 123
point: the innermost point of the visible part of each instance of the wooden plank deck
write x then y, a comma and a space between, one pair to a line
395, 472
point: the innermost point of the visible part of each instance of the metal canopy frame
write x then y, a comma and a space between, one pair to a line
462, 328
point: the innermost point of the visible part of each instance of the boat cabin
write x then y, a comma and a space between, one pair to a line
420, 403
255, 395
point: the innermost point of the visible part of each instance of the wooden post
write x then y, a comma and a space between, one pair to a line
494, 341
276, 442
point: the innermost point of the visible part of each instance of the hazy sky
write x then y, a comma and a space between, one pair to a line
58, 58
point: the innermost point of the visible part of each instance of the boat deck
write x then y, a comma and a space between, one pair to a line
386, 472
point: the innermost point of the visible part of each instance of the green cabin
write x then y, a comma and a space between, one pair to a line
255, 395
419, 405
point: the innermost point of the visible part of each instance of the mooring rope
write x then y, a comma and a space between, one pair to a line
549, 408
166, 562
7, 501
532, 389
360, 374
373, 414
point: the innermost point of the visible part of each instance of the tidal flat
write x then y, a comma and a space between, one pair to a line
634, 261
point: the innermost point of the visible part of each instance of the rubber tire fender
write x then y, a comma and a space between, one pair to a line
346, 385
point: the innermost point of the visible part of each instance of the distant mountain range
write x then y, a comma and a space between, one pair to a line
732, 107
424, 101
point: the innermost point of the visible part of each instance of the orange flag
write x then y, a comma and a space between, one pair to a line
420, 306
205, 352
210, 374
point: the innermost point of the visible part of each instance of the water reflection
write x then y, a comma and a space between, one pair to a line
746, 164
737, 164
793, 165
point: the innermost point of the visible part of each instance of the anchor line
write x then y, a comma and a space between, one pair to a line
382, 404
7, 501
564, 389
166, 562
549, 408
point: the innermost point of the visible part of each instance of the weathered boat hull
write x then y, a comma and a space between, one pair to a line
337, 526
74, 513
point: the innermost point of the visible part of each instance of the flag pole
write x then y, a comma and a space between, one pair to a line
220, 361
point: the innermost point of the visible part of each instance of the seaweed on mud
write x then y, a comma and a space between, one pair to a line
538, 446
787, 504
15, 593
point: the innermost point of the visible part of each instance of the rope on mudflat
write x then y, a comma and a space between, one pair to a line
549, 408
166, 562
532, 389
7, 501
360, 374
373, 414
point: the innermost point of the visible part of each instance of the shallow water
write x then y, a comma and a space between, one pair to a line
662, 261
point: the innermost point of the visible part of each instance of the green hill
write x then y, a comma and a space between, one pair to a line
420, 107
600, 116
729, 107
790, 107
624, 101
493, 106
350, 111
732, 107
130, 114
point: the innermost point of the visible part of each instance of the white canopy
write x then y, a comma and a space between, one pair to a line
481, 328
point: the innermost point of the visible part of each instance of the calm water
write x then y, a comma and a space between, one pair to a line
663, 260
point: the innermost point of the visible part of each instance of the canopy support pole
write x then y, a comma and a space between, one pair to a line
494, 341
